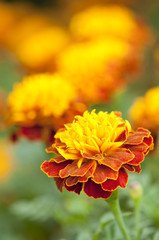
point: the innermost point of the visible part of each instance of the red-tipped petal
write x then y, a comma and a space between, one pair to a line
70, 181
95, 190
137, 137
139, 152
130, 168
122, 136
58, 159
93, 156
137, 169
59, 183
52, 168
52, 149
118, 158
75, 188
122, 180
74, 170
88, 174
148, 140
102, 173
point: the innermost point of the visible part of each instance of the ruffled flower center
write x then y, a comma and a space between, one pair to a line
92, 136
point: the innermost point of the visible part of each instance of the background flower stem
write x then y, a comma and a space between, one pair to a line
137, 204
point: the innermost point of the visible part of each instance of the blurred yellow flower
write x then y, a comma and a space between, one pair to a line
97, 68
145, 111
37, 51
42, 101
29, 24
110, 20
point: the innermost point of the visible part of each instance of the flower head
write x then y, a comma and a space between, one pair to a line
95, 152
145, 111
42, 101
111, 20
97, 68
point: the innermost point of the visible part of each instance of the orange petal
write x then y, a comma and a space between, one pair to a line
102, 173
52, 149
88, 174
137, 137
52, 168
95, 190
73, 170
122, 180
138, 151
58, 159
93, 156
117, 159
70, 181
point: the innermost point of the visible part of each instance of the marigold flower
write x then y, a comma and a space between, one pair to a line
42, 102
111, 20
95, 152
37, 51
97, 68
145, 110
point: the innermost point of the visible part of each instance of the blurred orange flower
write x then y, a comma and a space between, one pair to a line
30, 24
6, 161
7, 20
97, 68
145, 110
42, 103
94, 153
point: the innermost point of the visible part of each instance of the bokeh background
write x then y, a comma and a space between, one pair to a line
31, 207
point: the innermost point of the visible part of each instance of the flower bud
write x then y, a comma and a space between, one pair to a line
135, 190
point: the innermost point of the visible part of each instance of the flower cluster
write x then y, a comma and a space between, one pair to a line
95, 152
36, 106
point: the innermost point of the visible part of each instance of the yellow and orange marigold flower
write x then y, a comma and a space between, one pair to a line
95, 152
98, 67
145, 110
110, 20
42, 103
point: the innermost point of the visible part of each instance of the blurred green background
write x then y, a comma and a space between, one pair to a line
31, 208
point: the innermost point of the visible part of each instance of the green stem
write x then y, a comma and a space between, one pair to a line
115, 208
137, 218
